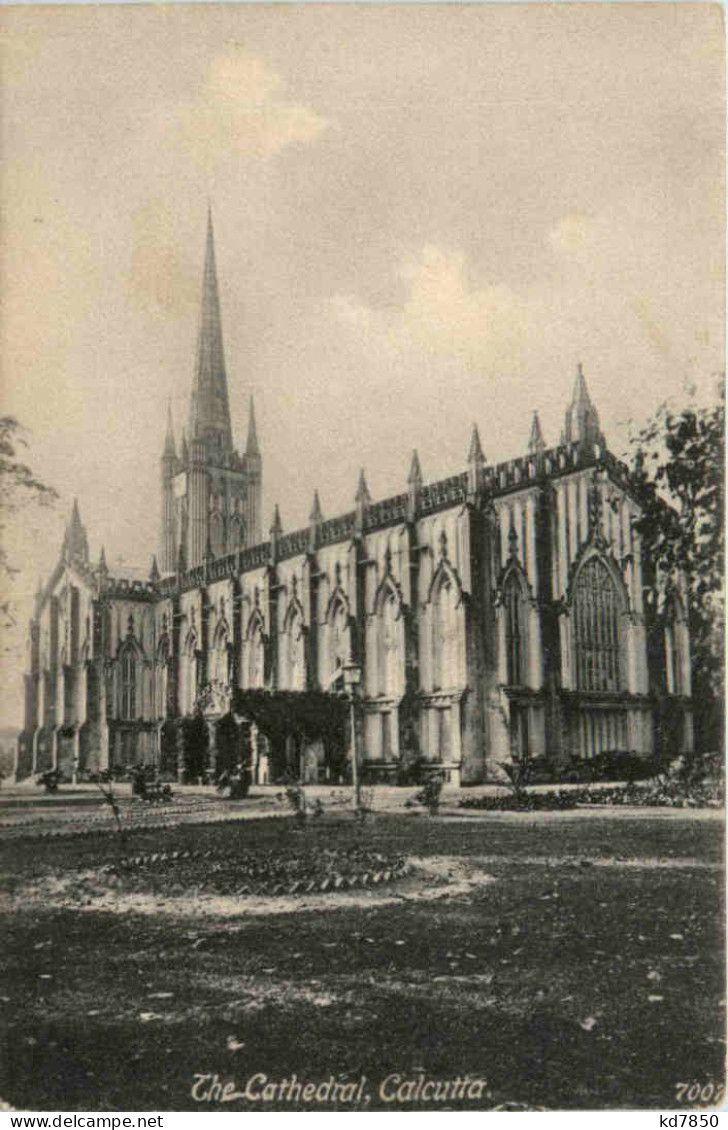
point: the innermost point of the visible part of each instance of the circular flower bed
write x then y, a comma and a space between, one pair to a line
257, 872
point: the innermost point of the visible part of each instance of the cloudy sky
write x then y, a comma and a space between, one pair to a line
424, 216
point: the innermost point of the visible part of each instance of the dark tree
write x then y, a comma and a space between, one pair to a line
19, 487
678, 474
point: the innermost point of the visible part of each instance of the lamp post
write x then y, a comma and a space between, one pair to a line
352, 679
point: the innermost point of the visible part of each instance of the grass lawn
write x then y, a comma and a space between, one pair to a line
589, 974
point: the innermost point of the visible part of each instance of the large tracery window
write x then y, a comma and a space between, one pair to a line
596, 628
515, 614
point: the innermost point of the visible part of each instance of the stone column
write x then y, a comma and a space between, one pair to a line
76, 763
502, 656
531, 558
567, 675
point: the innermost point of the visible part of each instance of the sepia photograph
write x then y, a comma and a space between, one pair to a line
362, 389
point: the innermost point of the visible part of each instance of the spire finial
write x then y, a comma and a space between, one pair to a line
276, 525
154, 574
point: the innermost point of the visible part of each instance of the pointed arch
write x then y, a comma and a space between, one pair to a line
591, 552
387, 589
445, 574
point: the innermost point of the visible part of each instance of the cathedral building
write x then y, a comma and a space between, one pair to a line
494, 612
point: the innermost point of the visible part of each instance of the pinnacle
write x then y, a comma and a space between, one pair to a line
276, 526
362, 491
536, 442
415, 473
581, 396
316, 514
475, 454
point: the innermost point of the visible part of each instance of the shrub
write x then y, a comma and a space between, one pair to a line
49, 780
521, 802
430, 793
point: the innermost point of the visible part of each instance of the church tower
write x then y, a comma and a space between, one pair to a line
212, 493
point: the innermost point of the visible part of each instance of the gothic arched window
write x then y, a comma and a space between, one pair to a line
446, 635
340, 637
596, 628
256, 658
296, 661
515, 616
128, 684
220, 671
388, 648
236, 539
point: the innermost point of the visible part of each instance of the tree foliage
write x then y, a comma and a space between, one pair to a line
678, 474
19, 487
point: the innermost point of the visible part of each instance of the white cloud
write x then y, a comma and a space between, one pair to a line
242, 106
442, 315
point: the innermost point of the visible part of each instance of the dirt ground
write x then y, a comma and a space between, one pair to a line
563, 962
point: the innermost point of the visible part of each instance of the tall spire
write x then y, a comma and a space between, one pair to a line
209, 405
170, 452
581, 424
251, 447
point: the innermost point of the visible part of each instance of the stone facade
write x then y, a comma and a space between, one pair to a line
495, 612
